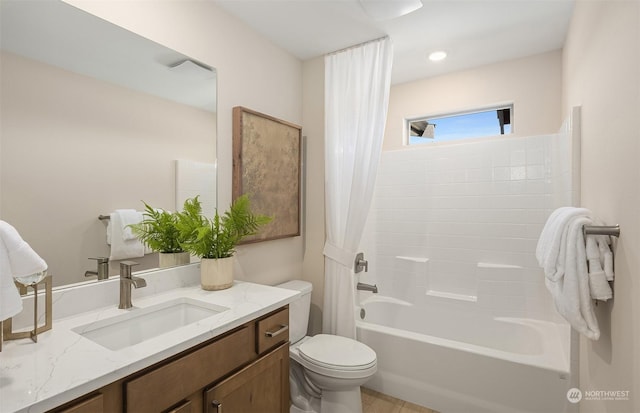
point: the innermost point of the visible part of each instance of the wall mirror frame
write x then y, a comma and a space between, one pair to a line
93, 118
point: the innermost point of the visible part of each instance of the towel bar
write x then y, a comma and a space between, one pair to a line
613, 230
103, 217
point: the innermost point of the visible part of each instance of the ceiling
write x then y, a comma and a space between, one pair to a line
472, 32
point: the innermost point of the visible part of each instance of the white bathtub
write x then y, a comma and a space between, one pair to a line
464, 361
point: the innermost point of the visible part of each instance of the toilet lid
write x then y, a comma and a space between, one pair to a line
337, 352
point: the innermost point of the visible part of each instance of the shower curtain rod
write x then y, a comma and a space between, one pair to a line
357, 45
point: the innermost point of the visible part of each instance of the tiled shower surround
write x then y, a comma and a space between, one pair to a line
459, 223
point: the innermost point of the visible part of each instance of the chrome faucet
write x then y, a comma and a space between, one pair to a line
103, 269
367, 287
126, 281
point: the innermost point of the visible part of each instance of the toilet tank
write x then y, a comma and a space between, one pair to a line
298, 309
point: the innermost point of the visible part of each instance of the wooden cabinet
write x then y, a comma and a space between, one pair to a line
247, 369
261, 387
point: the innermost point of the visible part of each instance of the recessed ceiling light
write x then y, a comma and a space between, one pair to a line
437, 56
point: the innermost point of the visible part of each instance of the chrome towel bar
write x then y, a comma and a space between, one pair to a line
613, 230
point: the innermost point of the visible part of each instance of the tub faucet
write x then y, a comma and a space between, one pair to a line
103, 269
367, 287
126, 281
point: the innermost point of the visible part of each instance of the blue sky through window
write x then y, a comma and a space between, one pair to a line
464, 126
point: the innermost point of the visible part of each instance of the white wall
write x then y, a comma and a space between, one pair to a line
532, 84
251, 72
601, 72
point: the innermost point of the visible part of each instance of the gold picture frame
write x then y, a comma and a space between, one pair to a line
267, 156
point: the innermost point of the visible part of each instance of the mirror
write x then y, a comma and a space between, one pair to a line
94, 118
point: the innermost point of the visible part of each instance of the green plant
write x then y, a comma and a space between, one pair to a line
217, 237
158, 230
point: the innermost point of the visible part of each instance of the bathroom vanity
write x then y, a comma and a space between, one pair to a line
244, 370
234, 357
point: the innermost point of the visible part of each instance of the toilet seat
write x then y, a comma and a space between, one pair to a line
336, 356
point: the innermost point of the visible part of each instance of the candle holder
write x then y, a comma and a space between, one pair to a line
23, 285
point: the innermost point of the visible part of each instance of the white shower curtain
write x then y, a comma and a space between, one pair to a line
357, 82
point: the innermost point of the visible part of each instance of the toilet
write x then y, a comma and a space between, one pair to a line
326, 371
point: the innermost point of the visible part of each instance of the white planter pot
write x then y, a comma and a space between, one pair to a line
171, 259
216, 273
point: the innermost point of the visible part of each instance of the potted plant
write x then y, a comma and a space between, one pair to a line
214, 240
158, 230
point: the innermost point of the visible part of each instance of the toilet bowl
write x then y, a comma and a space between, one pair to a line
326, 371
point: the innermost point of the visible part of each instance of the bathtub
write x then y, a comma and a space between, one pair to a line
466, 362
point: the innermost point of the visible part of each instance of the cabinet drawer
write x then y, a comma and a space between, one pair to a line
165, 386
272, 330
184, 407
93, 404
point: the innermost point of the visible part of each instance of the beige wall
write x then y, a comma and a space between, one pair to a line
74, 147
533, 84
602, 74
313, 118
252, 72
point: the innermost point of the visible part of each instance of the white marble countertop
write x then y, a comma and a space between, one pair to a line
63, 365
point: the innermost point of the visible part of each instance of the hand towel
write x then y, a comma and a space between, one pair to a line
551, 248
598, 285
128, 217
122, 248
17, 259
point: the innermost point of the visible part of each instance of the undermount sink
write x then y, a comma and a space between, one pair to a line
141, 324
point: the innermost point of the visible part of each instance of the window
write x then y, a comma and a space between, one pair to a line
474, 124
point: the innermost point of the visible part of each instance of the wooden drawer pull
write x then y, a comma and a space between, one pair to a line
283, 328
217, 405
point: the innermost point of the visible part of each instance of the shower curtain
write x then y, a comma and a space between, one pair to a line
357, 82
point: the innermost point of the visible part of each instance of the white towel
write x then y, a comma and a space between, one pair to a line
561, 252
10, 302
598, 285
128, 217
551, 249
571, 291
606, 255
121, 247
17, 259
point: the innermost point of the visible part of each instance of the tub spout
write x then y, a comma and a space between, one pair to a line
367, 287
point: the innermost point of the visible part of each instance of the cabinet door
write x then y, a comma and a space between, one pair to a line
261, 387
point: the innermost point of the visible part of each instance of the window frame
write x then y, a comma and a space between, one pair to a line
488, 108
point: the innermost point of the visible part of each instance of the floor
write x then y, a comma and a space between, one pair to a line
374, 402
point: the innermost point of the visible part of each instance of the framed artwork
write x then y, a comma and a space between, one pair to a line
266, 166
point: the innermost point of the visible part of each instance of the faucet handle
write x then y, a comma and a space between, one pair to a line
360, 263
125, 268
101, 260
